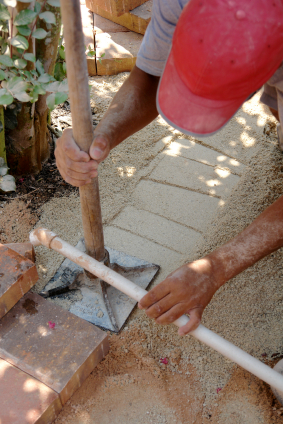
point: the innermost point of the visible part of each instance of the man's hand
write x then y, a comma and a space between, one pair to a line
77, 167
188, 290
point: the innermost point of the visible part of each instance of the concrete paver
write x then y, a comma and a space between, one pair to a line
191, 150
194, 175
17, 276
177, 204
25, 400
143, 249
60, 357
158, 229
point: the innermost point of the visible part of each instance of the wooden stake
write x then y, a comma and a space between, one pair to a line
82, 122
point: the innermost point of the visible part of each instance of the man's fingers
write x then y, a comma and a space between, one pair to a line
195, 319
70, 148
172, 314
153, 296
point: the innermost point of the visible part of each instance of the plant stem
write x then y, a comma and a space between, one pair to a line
12, 29
35, 22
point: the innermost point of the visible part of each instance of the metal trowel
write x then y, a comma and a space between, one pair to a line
83, 294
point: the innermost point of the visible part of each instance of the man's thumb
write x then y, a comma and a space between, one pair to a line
195, 318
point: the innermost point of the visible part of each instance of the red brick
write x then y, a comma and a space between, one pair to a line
17, 276
24, 249
62, 357
25, 400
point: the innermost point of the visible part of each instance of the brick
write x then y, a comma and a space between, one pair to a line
61, 358
25, 400
119, 50
17, 276
24, 249
195, 176
115, 7
137, 20
161, 230
195, 151
178, 204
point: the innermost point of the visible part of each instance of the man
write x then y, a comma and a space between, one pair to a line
222, 52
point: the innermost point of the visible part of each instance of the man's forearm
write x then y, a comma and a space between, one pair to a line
133, 107
259, 239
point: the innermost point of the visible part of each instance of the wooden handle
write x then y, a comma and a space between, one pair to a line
82, 121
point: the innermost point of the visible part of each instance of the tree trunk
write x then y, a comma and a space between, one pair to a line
2, 135
20, 142
28, 144
47, 53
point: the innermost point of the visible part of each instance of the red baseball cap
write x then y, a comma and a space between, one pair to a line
222, 52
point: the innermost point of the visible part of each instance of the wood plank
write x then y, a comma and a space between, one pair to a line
115, 7
137, 20
120, 52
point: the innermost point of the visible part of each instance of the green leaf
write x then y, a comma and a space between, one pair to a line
33, 96
44, 78
39, 33
7, 183
25, 17
16, 85
2, 75
38, 89
37, 7
91, 54
50, 101
11, 3
30, 56
65, 67
48, 17
54, 3
6, 60
60, 98
39, 67
62, 53
24, 30
20, 42
20, 63
6, 99
53, 87
64, 88
59, 72
4, 13
23, 97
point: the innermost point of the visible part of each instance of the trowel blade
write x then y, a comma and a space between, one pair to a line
88, 302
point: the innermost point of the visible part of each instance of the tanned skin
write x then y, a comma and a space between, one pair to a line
190, 288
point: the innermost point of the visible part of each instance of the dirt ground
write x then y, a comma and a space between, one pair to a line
151, 375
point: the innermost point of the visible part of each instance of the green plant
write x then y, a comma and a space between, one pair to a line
22, 75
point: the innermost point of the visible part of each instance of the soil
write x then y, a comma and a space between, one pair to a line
151, 375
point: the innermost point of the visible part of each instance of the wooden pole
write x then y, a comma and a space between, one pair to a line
82, 122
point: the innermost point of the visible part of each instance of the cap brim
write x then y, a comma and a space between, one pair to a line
191, 114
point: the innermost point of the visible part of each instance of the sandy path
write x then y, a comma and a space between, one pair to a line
132, 385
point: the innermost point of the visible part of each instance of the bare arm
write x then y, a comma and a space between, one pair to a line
190, 288
133, 107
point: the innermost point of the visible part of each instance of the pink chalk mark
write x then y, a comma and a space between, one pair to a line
51, 324
164, 361
218, 389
